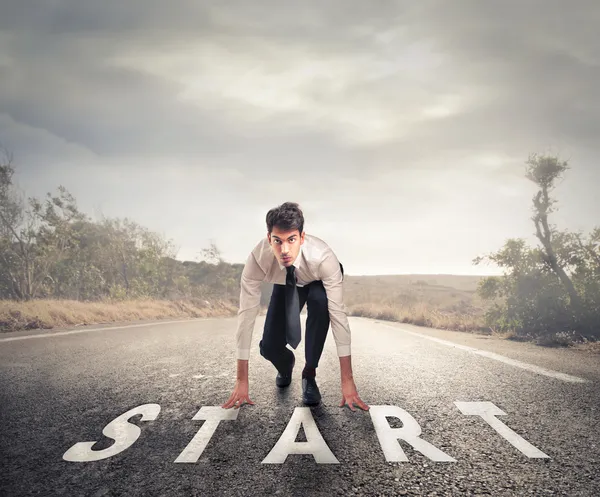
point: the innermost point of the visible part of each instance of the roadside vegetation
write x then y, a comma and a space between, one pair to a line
549, 294
59, 268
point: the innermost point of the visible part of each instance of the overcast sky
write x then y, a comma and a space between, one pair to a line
401, 128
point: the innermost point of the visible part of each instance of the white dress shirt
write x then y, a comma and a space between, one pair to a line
315, 261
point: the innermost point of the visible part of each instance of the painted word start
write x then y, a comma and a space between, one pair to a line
125, 434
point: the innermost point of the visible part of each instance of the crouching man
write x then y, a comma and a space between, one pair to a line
303, 270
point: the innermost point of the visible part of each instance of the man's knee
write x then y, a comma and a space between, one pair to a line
269, 351
265, 350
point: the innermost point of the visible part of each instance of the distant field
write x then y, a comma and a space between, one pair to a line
439, 301
440, 290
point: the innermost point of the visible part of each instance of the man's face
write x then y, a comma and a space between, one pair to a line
285, 245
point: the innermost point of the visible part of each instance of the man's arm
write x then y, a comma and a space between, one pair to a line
346, 368
331, 275
242, 370
252, 277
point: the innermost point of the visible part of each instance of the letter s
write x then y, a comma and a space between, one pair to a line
120, 430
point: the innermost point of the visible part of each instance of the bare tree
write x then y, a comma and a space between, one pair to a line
544, 171
212, 255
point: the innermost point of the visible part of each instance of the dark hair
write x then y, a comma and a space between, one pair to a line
287, 216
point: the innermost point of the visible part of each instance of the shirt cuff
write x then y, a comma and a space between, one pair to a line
343, 350
243, 354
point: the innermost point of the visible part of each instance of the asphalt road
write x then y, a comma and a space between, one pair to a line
465, 415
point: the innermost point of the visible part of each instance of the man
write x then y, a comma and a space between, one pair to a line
303, 269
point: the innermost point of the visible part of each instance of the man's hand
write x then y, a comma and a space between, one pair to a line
240, 394
350, 396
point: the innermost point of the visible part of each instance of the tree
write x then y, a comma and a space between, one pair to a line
544, 171
212, 254
34, 236
551, 288
50, 249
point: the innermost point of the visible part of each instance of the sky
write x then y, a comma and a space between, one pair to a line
401, 128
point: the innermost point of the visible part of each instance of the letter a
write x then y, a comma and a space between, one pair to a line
314, 445
120, 430
389, 437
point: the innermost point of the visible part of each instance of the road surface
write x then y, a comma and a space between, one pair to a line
451, 414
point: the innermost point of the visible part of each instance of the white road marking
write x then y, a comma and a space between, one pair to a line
488, 411
120, 430
72, 332
314, 445
497, 357
212, 415
174, 375
125, 434
409, 432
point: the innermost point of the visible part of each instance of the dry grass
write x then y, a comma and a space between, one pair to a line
417, 299
590, 347
437, 301
60, 313
421, 314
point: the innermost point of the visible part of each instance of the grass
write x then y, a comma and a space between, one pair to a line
421, 314
62, 313
437, 301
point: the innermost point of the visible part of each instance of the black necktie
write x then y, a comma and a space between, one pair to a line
292, 308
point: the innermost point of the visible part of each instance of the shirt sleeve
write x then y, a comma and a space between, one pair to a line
331, 276
252, 277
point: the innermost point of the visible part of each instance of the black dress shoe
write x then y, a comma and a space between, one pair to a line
283, 380
310, 391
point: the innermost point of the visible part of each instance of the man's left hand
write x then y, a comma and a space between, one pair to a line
350, 396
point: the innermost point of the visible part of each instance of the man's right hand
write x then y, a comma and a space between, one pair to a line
240, 394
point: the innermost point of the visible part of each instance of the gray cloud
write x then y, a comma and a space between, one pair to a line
393, 107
